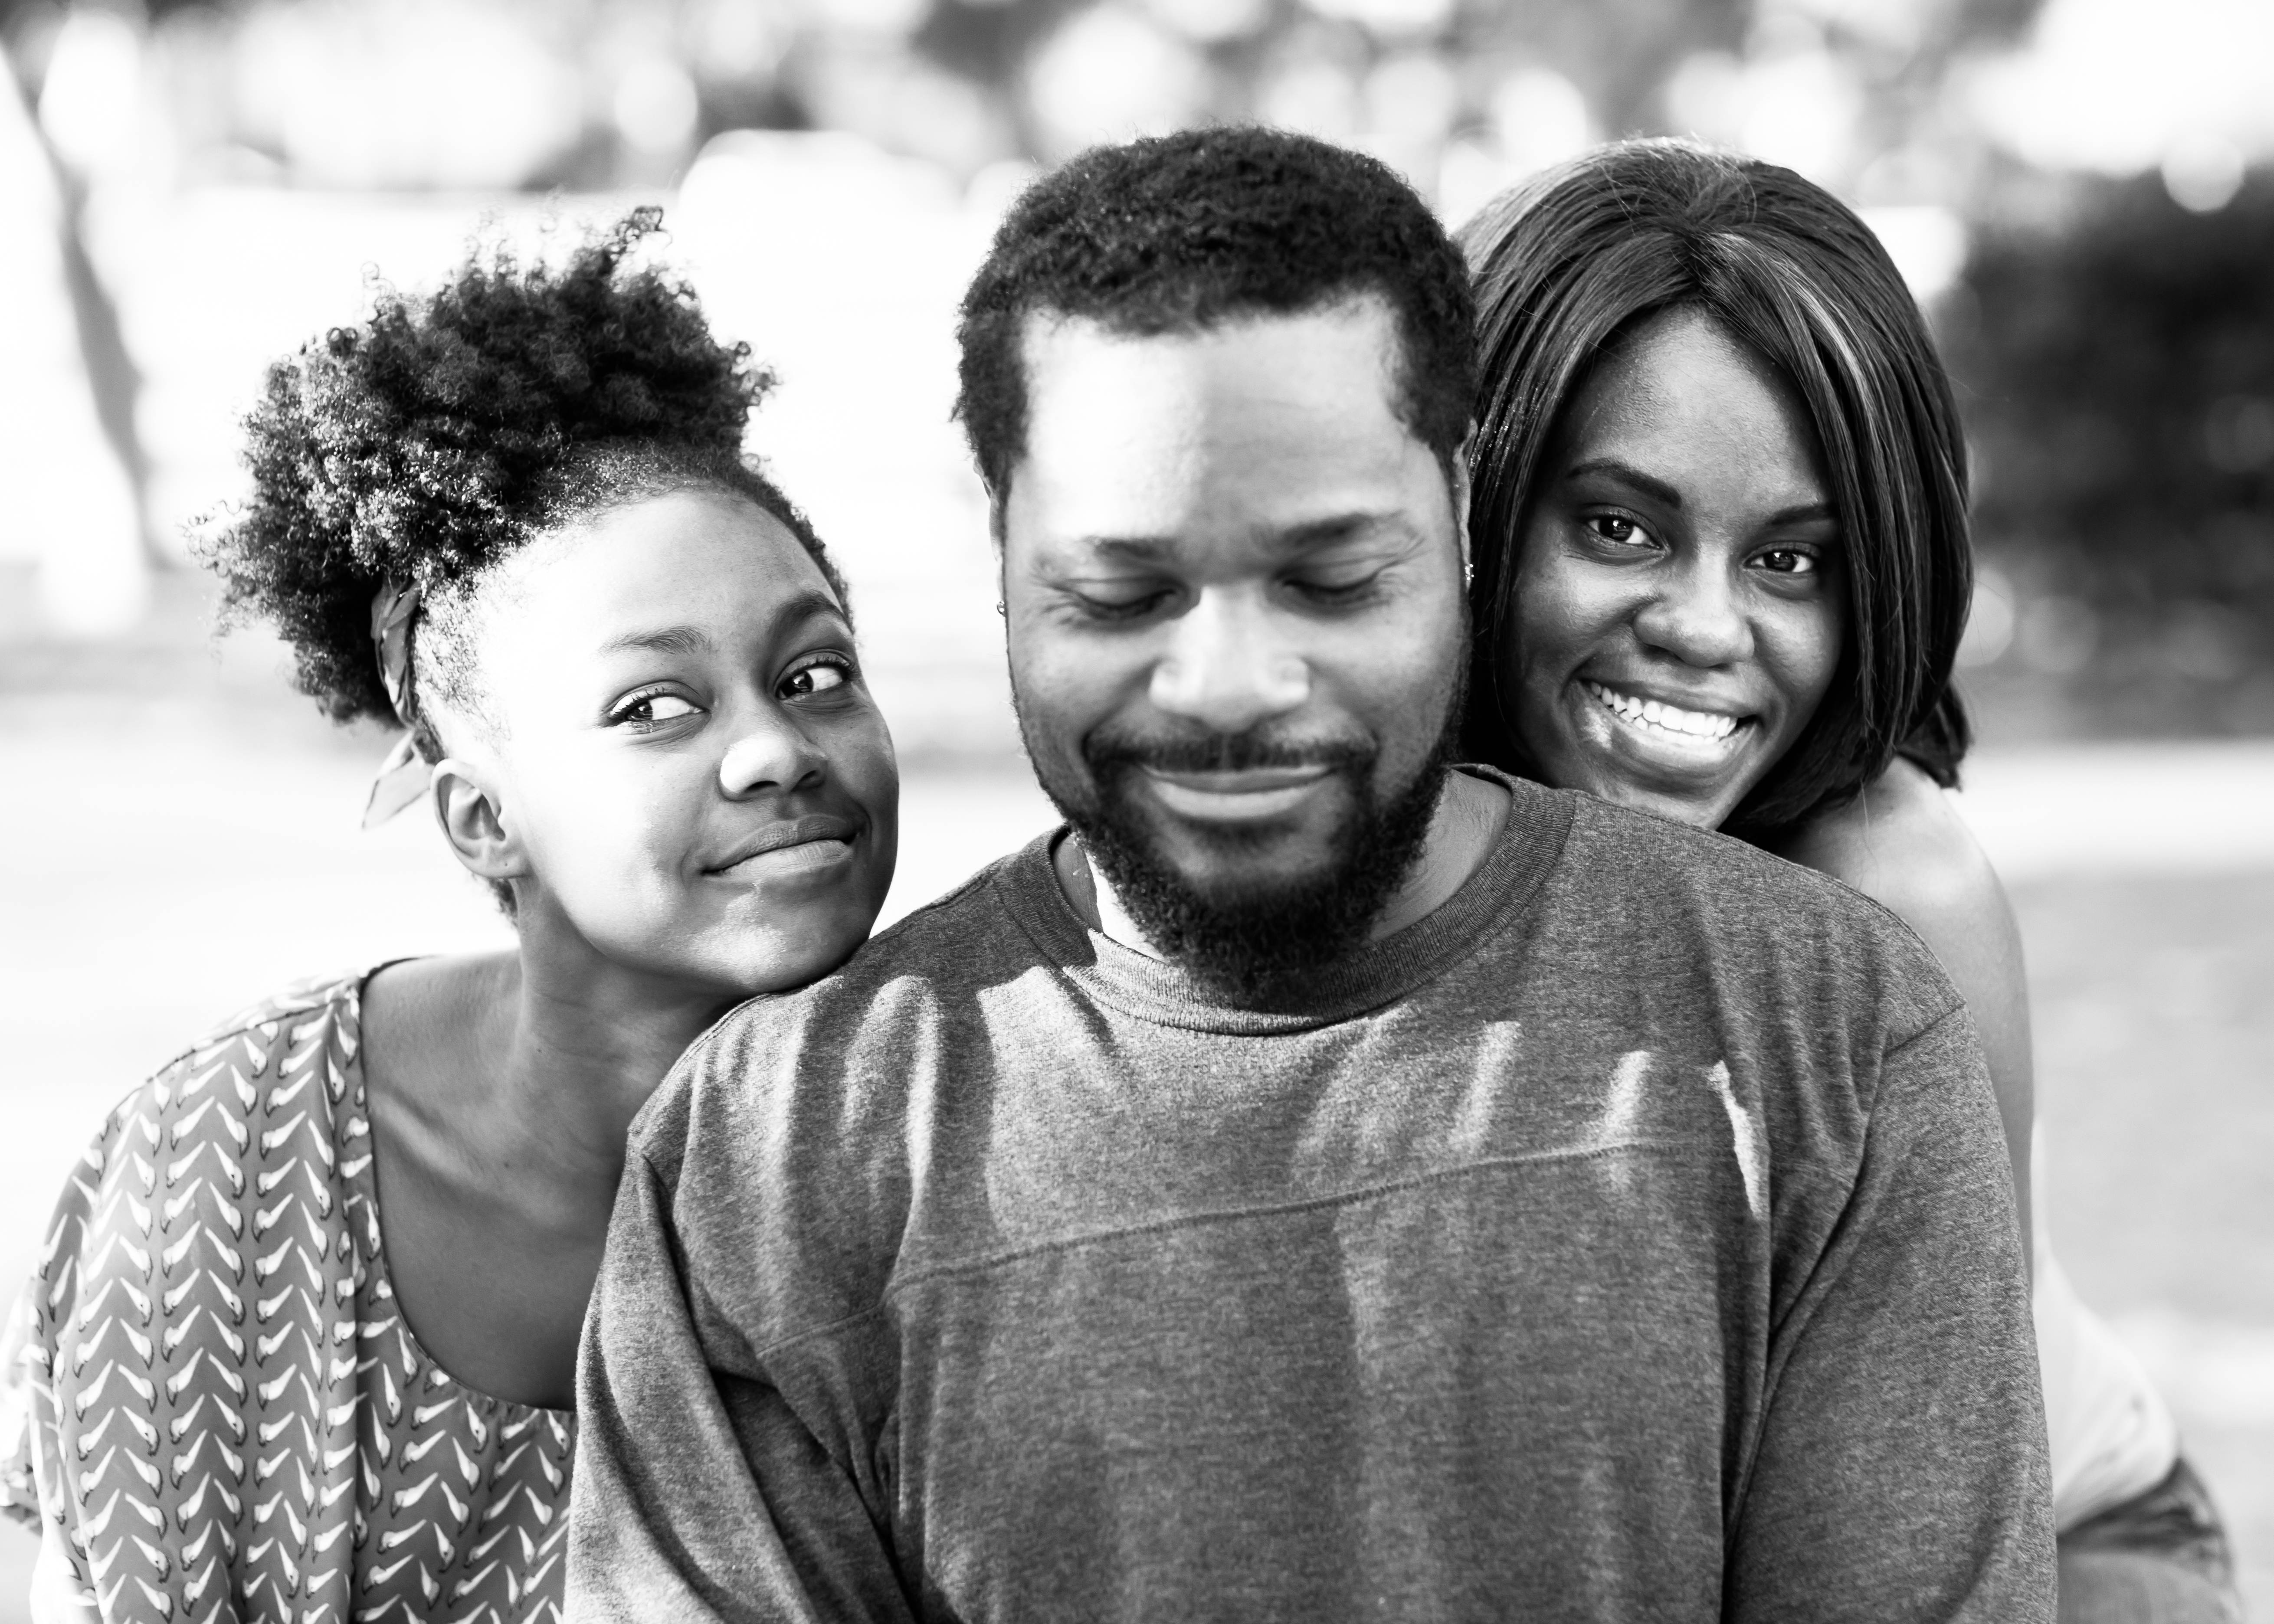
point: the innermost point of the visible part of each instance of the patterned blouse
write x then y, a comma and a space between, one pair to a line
209, 1391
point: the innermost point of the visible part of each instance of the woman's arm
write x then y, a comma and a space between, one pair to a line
1902, 844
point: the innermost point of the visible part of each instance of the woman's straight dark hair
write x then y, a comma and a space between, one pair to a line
1570, 262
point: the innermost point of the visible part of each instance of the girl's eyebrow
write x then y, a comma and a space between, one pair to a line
1658, 491
693, 640
668, 640
1627, 474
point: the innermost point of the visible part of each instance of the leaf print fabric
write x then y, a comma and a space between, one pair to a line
209, 1388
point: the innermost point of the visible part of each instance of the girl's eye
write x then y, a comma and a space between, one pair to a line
648, 711
818, 678
1788, 561
1614, 527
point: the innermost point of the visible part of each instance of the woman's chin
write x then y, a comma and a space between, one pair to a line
1690, 780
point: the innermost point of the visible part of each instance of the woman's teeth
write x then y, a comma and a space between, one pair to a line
1654, 713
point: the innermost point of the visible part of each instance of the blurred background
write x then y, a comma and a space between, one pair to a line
2079, 191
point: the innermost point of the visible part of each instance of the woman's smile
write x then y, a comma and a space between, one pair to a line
1639, 738
1678, 615
819, 840
1653, 717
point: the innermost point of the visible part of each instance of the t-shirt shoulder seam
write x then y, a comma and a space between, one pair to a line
1950, 1011
900, 1284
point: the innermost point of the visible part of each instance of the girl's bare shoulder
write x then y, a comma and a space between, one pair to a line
1905, 845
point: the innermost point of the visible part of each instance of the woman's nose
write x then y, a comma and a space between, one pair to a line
1696, 616
1227, 669
771, 754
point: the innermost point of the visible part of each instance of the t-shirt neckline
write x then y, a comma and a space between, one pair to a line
1530, 838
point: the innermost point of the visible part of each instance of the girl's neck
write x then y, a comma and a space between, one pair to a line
580, 1044
524, 1071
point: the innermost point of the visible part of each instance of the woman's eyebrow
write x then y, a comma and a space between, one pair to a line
693, 640
667, 640
1658, 491
1627, 474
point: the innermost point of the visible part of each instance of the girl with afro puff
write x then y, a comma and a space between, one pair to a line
302, 1341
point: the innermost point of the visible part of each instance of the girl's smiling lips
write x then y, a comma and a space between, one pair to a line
1670, 735
815, 839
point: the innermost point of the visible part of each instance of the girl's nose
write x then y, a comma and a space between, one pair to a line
770, 754
1694, 616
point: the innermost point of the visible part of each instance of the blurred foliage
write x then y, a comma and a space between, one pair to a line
969, 83
2117, 358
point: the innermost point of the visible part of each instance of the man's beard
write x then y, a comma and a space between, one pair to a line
1242, 940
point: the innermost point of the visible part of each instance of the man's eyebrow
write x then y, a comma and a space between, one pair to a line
1295, 538
1341, 527
1133, 549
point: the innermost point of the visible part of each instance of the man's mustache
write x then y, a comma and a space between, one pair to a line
1200, 751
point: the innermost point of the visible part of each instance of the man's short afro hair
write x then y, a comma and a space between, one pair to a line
1182, 232
445, 434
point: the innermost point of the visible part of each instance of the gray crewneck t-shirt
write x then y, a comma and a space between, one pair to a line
1632, 1239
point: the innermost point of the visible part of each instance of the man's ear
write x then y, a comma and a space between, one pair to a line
1460, 493
995, 501
474, 821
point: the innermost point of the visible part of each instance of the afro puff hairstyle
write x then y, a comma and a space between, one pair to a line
447, 432
1181, 232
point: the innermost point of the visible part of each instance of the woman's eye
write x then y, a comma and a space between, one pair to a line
814, 679
1788, 561
1614, 527
653, 710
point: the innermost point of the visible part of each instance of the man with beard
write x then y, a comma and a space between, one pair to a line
1316, 1183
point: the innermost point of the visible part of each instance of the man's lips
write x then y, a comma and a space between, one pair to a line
1242, 795
798, 842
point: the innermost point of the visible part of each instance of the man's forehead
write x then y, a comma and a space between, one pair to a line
1313, 386
1055, 340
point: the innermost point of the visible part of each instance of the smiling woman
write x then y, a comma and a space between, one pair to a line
1677, 616
337, 1254
1722, 569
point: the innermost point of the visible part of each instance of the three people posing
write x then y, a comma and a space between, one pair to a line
1319, 1180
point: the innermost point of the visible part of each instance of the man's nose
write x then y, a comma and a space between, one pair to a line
1698, 616
770, 753
1228, 666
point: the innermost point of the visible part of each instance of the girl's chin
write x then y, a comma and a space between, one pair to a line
1692, 780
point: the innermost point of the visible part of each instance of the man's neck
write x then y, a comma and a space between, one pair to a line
1467, 821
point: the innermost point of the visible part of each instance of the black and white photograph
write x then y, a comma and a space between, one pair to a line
1030, 811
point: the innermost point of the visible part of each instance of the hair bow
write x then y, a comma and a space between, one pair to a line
402, 776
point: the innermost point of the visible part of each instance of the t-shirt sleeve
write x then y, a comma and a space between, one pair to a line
1900, 1471
699, 1494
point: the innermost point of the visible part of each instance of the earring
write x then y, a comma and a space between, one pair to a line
1005, 613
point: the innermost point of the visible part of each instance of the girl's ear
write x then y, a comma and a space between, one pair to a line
474, 821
